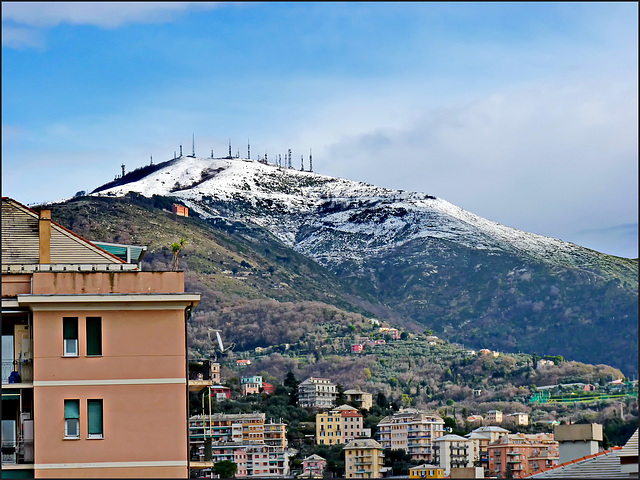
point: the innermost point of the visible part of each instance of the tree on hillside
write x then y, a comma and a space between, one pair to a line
341, 398
292, 383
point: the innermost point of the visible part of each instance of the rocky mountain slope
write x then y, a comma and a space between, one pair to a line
420, 258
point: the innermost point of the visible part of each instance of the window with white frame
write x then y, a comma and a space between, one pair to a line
70, 336
72, 418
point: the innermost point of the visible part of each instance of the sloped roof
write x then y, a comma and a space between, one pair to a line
314, 458
451, 437
363, 443
20, 240
630, 449
599, 465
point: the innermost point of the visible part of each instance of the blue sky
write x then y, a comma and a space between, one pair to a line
523, 113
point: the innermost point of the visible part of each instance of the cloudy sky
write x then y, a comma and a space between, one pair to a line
523, 113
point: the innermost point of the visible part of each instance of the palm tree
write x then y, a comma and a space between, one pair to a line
175, 248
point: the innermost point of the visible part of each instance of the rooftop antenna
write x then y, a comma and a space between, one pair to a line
310, 162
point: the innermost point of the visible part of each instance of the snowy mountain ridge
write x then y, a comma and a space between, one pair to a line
301, 208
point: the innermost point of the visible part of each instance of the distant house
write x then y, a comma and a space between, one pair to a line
589, 388
313, 466
243, 362
519, 418
474, 419
268, 388
357, 348
426, 471
394, 332
251, 385
220, 392
180, 210
362, 399
542, 363
484, 351
493, 416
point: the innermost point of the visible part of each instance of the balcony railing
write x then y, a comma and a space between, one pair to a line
17, 452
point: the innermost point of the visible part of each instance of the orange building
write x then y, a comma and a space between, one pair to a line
180, 210
97, 374
520, 455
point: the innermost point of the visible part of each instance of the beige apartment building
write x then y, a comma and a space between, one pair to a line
413, 431
94, 366
362, 400
363, 458
340, 425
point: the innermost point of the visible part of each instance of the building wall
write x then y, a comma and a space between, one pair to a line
140, 377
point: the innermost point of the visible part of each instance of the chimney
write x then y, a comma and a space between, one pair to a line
44, 232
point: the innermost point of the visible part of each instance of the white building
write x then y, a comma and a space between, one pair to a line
453, 451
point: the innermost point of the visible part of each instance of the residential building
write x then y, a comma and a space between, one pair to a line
317, 393
493, 416
258, 446
521, 455
393, 332
180, 210
98, 348
475, 419
518, 418
251, 385
413, 431
268, 388
220, 392
357, 348
339, 425
363, 458
313, 466
452, 451
362, 400
215, 373
426, 471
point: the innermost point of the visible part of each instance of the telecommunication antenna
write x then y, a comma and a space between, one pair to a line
248, 150
123, 169
180, 151
310, 162
212, 153
230, 148
193, 145
151, 159
302, 163
289, 162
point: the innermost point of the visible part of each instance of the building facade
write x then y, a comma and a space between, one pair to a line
339, 425
362, 400
413, 431
98, 348
317, 393
363, 458
520, 455
452, 451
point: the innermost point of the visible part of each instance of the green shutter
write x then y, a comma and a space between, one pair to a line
70, 327
94, 336
94, 414
72, 409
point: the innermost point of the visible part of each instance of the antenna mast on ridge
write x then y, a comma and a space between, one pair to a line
248, 149
310, 162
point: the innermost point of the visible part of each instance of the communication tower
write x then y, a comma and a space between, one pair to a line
230, 149
310, 162
248, 150
302, 163
123, 169
289, 162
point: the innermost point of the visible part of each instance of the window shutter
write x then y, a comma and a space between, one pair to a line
94, 336
94, 413
72, 409
70, 327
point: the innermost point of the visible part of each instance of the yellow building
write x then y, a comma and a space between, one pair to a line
362, 399
340, 425
363, 458
426, 471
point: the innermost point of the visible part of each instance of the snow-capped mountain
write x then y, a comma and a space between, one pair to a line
302, 208
466, 278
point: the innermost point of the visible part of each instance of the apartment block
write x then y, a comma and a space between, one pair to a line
251, 385
94, 367
362, 400
317, 393
363, 458
313, 466
521, 455
258, 446
340, 425
451, 452
413, 431
493, 416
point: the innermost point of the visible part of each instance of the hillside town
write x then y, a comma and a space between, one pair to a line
94, 348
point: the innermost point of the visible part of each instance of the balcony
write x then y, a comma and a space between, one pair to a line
16, 452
